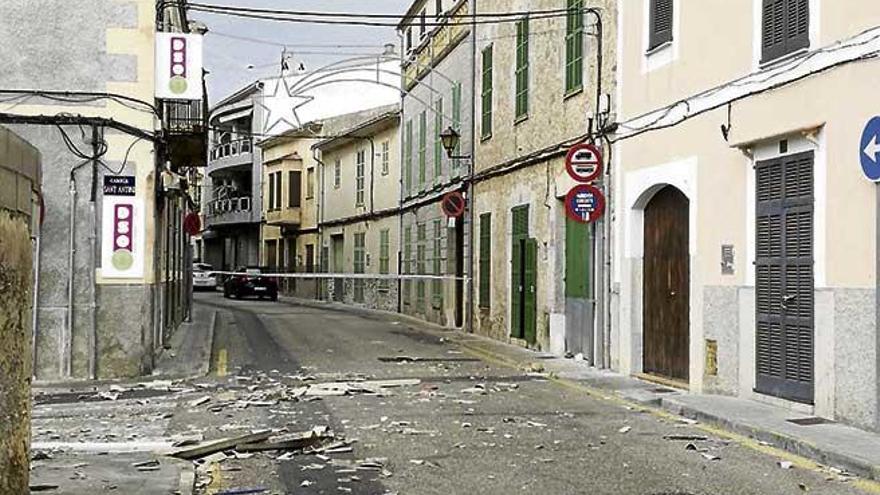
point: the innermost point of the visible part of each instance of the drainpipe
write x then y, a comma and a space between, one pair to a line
471, 200
318, 292
93, 261
67, 339
400, 158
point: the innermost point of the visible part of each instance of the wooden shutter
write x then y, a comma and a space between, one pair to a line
485, 259
486, 100
661, 23
271, 191
517, 282
784, 277
530, 291
522, 69
294, 189
785, 27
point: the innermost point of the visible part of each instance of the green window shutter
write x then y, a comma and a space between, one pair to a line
406, 266
574, 46
437, 285
456, 117
486, 99
517, 282
522, 69
407, 151
485, 259
360, 168
578, 254
384, 257
420, 266
530, 291
438, 144
423, 136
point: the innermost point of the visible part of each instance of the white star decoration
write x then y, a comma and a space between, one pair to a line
280, 107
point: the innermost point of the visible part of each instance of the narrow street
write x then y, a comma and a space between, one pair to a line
468, 427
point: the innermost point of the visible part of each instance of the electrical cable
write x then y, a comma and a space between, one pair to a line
124, 160
347, 22
365, 15
83, 97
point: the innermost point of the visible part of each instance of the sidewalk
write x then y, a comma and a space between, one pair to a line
831, 444
189, 352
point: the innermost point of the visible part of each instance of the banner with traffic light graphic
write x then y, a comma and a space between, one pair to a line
179, 66
122, 242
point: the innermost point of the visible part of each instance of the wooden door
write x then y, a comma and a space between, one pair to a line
666, 286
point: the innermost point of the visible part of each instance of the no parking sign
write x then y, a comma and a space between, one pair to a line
585, 203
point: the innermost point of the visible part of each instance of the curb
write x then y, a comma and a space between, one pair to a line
784, 442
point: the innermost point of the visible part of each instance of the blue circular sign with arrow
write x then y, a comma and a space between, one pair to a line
869, 150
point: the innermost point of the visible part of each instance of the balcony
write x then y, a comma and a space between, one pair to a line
284, 217
230, 211
231, 155
186, 125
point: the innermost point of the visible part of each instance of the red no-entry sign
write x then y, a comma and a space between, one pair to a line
584, 162
453, 204
585, 203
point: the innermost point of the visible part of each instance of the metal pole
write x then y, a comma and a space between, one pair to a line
93, 262
66, 365
471, 199
877, 291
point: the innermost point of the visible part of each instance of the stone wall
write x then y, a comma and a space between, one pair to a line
19, 172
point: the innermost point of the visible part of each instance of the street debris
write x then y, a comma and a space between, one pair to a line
242, 491
687, 438
625, 429
784, 464
199, 401
43, 487
221, 445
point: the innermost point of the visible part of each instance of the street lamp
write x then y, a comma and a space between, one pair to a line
450, 139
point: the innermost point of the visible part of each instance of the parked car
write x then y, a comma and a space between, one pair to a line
204, 277
250, 281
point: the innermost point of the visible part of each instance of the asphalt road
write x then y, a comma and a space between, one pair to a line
523, 434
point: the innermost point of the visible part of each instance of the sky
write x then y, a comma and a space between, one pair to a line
228, 58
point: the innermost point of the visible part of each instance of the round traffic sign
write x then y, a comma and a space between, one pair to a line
584, 162
453, 204
869, 150
585, 203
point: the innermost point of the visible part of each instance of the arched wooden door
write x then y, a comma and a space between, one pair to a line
666, 285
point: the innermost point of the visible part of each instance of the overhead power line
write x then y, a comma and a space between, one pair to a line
353, 19
359, 15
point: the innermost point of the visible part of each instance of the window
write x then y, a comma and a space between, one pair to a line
423, 147
294, 192
420, 266
272, 255
522, 68
359, 177
407, 268
408, 154
337, 173
486, 99
437, 285
423, 29
310, 258
485, 259
278, 190
359, 265
456, 118
271, 192
574, 47
660, 27
386, 156
785, 27
310, 184
438, 143
384, 257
